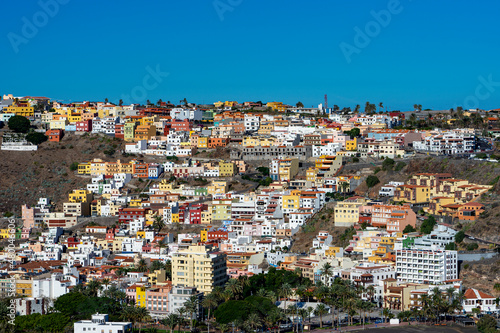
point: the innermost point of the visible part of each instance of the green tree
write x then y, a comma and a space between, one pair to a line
459, 236
73, 166
487, 324
171, 320
428, 225
19, 124
234, 287
299, 104
387, 164
409, 228
54, 322
320, 311
36, 138
372, 180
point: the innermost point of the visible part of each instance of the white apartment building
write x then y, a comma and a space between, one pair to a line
99, 324
430, 266
388, 189
331, 148
252, 123
447, 143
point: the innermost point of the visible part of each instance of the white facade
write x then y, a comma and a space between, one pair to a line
100, 324
426, 266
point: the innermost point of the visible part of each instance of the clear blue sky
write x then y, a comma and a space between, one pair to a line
431, 52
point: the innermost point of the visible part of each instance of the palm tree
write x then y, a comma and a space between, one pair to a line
209, 302
218, 293
326, 271
158, 223
191, 306
171, 321
227, 294
93, 288
223, 327
371, 292
381, 106
142, 315
320, 311
386, 313
129, 313
254, 320
142, 265
356, 109
234, 286
285, 291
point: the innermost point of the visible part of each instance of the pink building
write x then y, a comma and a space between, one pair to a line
157, 299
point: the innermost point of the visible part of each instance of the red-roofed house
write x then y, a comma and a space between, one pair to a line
474, 298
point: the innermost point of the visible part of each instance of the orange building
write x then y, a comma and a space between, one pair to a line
55, 135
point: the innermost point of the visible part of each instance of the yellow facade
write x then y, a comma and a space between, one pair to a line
24, 288
80, 196
351, 144
413, 194
291, 202
277, 106
140, 296
218, 187
227, 169
206, 217
288, 169
203, 142
25, 111
332, 251
221, 211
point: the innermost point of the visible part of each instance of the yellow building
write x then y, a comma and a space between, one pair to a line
332, 251
218, 104
4, 233
351, 144
84, 168
412, 193
266, 128
277, 106
59, 123
347, 211
221, 211
218, 187
24, 288
80, 196
140, 296
291, 203
199, 266
206, 217
227, 169
157, 277
129, 130
21, 110
203, 142
288, 169
144, 132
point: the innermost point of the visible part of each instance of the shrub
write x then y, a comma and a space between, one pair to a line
399, 166
459, 236
377, 170
355, 160
19, 124
36, 138
428, 225
487, 324
409, 228
73, 166
472, 246
388, 164
372, 180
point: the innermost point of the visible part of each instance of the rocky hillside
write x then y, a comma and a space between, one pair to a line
27, 176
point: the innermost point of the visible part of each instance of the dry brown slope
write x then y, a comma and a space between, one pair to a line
27, 176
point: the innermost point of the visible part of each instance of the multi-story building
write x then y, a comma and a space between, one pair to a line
199, 266
263, 153
447, 143
284, 169
429, 266
393, 217
100, 323
347, 211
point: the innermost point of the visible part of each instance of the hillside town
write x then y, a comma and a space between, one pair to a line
249, 216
